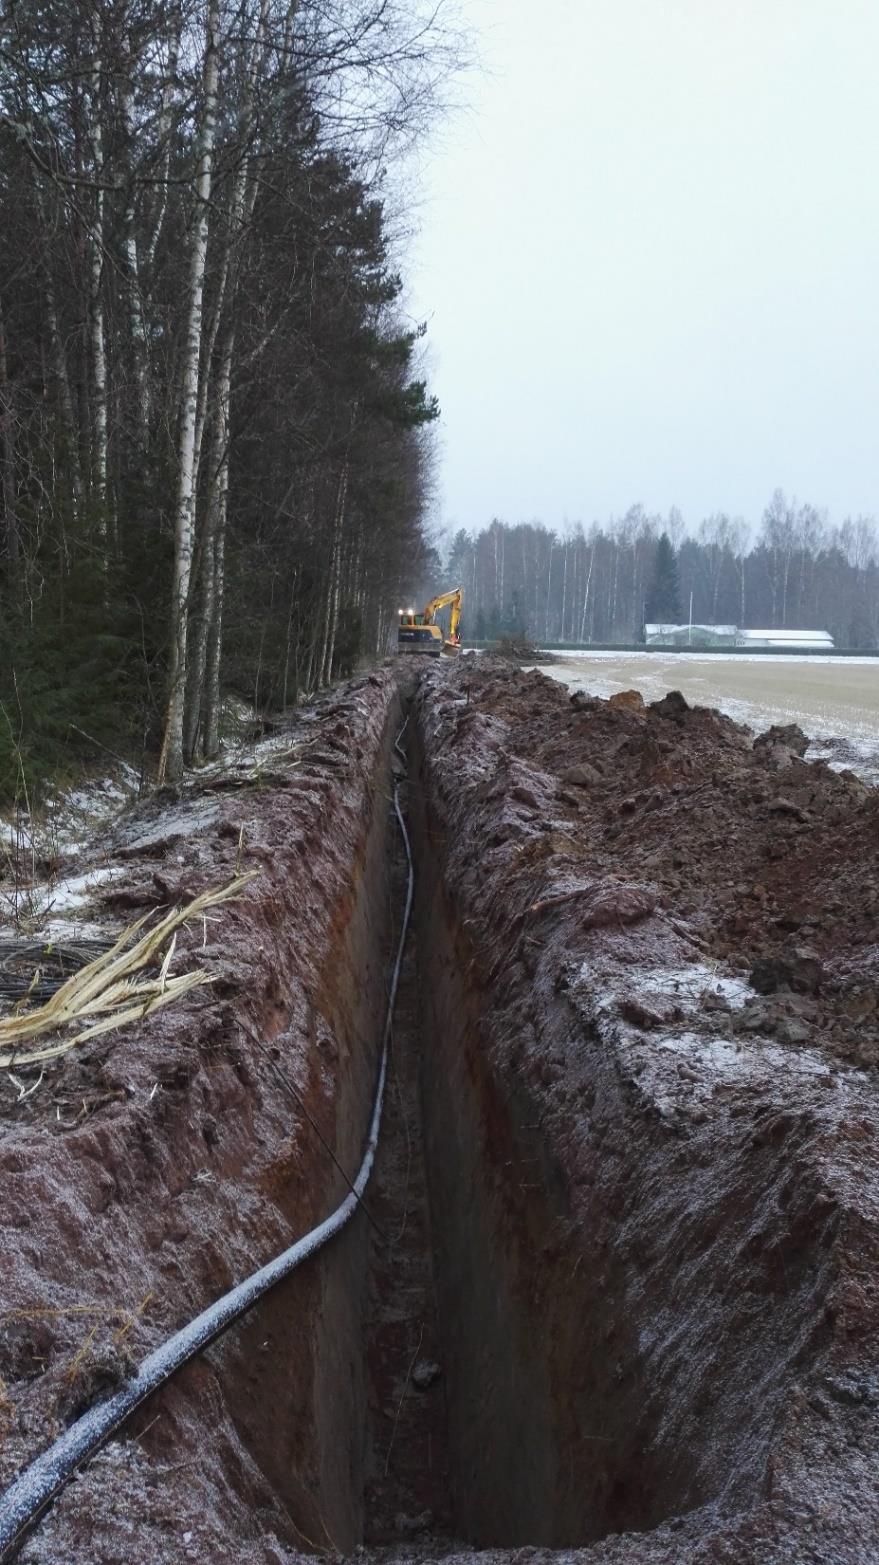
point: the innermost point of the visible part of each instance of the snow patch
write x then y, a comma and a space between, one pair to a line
176, 823
739, 1059
688, 986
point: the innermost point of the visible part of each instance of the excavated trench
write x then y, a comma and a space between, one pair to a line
581, 1318
612, 1293
481, 1422
578, 1321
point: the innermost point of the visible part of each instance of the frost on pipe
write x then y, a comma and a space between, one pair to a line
38, 1485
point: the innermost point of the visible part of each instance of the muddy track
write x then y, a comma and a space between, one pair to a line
618, 1297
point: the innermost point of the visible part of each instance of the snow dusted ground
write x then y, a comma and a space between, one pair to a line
43, 892
834, 700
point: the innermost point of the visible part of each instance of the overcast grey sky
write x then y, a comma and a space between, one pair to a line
649, 259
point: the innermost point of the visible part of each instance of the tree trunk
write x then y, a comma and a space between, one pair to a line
69, 422
171, 759
137, 326
586, 594
7, 457
208, 616
240, 212
209, 619
164, 140
564, 589
211, 717
337, 582
96, 308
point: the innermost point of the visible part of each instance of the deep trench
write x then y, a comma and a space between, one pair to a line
443, 1333
406, 1462
463, 1438
466, 1440
475, 1368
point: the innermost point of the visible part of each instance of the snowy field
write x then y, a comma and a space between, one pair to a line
834, 700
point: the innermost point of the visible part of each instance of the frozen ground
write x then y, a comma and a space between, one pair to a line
42, 892
834, 700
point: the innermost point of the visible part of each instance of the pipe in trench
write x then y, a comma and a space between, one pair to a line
34, 1490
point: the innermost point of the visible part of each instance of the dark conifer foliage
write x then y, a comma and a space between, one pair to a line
214, 437
663, 603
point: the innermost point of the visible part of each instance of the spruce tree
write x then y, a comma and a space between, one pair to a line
663, 605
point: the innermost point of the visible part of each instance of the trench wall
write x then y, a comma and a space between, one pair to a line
541, 1429
625, 1309
197, 1167
294, 1377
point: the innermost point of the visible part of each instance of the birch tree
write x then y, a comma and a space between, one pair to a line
171, 758
209, 414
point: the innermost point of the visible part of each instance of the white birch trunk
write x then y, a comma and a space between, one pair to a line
209, 611
171, 759
211, 717
586, 594
564, 590
209, 620
321, 676
332, 599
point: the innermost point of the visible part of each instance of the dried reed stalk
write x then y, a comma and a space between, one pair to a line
106, 988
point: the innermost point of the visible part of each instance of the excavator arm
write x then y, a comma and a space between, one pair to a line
456, 599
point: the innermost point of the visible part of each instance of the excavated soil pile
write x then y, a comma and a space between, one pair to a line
153, 1169
650, 1108
614, 1298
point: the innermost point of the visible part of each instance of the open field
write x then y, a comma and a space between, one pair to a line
834, 700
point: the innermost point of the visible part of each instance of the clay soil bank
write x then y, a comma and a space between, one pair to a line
836, 700
617, 1302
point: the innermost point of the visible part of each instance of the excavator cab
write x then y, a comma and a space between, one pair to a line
413, 635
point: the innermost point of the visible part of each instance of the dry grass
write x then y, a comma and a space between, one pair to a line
110, 988
115, 1317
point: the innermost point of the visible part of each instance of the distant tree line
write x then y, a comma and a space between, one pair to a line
601, 584
213, 433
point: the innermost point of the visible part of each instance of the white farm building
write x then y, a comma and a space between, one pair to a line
731, 636
786, 640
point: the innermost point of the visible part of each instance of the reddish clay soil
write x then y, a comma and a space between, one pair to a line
673, 1170
617, 1300
152, 1170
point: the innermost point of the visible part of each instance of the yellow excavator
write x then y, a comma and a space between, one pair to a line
420, 632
